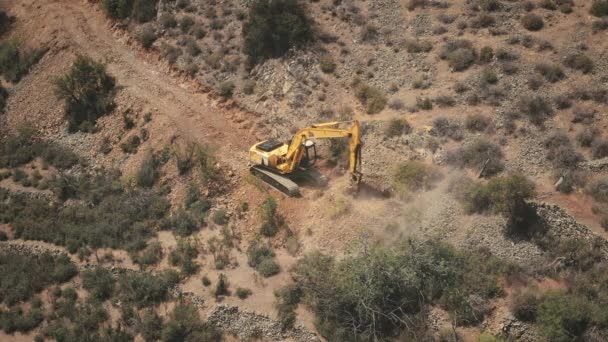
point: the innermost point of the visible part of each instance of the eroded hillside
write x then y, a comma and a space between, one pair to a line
124, 133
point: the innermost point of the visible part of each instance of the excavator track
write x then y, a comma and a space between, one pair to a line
283, 184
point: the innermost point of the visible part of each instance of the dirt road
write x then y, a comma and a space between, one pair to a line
81, 27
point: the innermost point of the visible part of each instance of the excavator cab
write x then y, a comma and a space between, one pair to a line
310, 156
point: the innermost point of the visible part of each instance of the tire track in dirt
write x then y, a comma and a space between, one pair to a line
195, 115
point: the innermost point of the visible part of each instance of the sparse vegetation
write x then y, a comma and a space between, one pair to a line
480, 155
459, 53
414, 176
536, 108
261, 257
226, 88
16, 62
551, 72
397, 127
327, 64
183, 256
579, 61
476, 122
445, 127
23, 147
372, 98
23, 275
88, 92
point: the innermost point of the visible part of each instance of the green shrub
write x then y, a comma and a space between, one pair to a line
185, 325
149, 256
327, 64
15, 63
118, 9
205, 280
167, 20
144, 10
147, 36
599, 148
183, 223
552, 72
532, 22
414, 176
144, 289
131, 144
22, 148
273, 27
243, 293
372, 98
226, 88
109, 216
23, 275
507, 196
88, 92
599, 8
148, 171
3, 98
350, 297
17, 320
268, 267
183, 256
221, 289
563, 317
220, 217
525, 305
99, 282
5, 22
192, 47
257, 252
397, 127
486, 54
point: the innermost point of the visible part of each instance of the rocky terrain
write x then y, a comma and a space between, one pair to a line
483, 125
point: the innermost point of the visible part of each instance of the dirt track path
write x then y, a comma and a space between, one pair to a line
195, 115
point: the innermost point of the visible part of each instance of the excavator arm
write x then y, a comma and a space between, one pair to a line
297, 148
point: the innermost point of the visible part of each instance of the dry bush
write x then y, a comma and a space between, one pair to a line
372, 98
586, 137
397, 127
475, 155
445, 127
459, 53
413, 4
146, 36
483, 20
579, 61
599, 148
584, 116
536, 108
226, 88
417, 46
327, 64
167, 20
476, 122
551, 71
525, 305
532, 22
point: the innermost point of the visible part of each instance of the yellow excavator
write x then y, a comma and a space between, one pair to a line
278, 163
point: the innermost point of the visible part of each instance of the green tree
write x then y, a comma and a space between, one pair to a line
88, 92
273, 27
